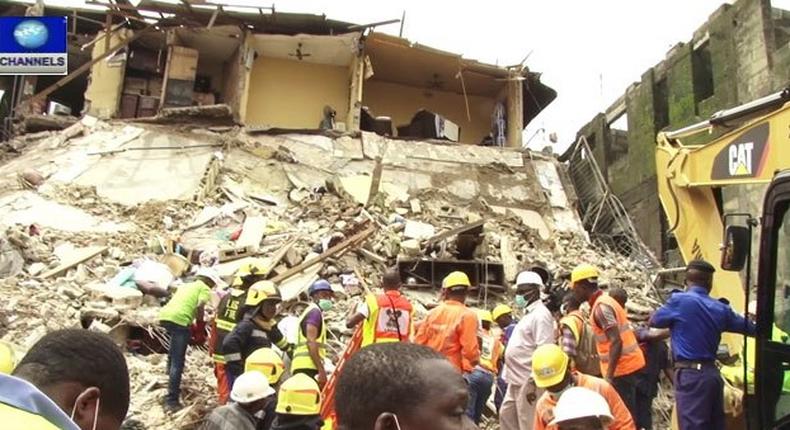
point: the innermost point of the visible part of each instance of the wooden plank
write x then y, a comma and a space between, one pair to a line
453, 232
182, 63
77, 256
252, 231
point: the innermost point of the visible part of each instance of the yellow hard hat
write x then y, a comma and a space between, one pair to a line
456, 279
485, 316
500, 310
299, 395
256, 266
7, 358
260, 291
267, 362
584, 271
549, 363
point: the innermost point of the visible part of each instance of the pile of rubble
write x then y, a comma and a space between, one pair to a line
89, 214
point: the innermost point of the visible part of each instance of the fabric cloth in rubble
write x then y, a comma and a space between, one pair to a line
451, 329
230, 417
24, 407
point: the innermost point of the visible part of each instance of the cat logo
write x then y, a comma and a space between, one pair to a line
741, 159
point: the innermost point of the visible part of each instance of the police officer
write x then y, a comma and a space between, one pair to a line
696, 321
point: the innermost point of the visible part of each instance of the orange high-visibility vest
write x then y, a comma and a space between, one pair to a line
631, 358
389, 319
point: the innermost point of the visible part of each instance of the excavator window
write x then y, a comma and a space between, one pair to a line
779, 366
782, 297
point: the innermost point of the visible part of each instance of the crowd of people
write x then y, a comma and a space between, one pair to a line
579, 365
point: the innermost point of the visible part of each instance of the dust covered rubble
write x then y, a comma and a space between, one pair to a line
315, 203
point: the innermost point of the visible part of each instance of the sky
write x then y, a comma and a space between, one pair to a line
588, 51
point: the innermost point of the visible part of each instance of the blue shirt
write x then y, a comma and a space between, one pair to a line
508, 332
696, 321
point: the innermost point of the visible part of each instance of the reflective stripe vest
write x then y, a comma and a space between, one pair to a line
389, 318
301, 358
491, 350
227, 317
632, 358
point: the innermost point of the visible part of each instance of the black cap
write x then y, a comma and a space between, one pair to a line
701, 265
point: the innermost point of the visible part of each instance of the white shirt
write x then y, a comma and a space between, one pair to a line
535, 329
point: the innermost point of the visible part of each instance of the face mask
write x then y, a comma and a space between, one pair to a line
521, 302
397, 423
95, 411
325, 304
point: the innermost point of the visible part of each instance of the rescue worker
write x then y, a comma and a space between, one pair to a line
186, 305
582, 409
618, 350
298, 404
271, 365
451, 327
696, 321
251, 394
310, 349
257, 329
552, 371
535, 329
401, 385
503, 316
576, 339
70, 379
482, 377
387, 316
229, 312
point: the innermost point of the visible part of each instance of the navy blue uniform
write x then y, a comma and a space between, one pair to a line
696, 322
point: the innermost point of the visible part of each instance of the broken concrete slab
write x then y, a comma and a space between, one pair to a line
530, 218
74, 258
418, 230
28, 208
252, 232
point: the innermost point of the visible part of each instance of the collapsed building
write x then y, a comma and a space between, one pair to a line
329, 150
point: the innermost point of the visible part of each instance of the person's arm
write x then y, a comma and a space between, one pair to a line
311, 333
199, 313
666, 315
568, 341
606, 319
470, 348
359, 314
653, 335
233, 345
537, 422
738, 324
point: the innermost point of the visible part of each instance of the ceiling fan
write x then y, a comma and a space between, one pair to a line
298, 53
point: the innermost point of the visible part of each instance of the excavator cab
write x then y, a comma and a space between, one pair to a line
768, 406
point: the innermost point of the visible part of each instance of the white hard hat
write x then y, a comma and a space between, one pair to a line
211, 274
752, 307
250, 387
579, 402
529, 278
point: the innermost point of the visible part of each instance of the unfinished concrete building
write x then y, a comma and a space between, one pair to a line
288, 71
741, 53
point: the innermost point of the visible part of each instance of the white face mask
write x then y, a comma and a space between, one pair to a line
397, 423
95, 411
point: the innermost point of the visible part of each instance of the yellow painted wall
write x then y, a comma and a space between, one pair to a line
103, 94
292, 94
401, 102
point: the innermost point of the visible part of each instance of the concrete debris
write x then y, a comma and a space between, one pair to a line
108, 258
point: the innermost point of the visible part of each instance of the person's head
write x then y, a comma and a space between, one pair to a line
264, 298
528, 286
299, 401
619, 295
700, 273
486, 320
582, 409
210, 277
456, 286
391, 280
550, 369
268, 363
503, 315
584, 281
84, 373
252, 391
404, 386
570, 302
248, 274
322, 294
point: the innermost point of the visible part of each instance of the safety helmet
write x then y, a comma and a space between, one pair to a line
580, 402
320, 285
584, 271
267, 362
251, 387
501, 310
299, 395
549, 363
485, 316
529, 278
260, 291
212, 274
456, 279
255, 266
7, 358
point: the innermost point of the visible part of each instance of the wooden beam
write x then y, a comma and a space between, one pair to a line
455, 231
107, 25
214, 17
515, 111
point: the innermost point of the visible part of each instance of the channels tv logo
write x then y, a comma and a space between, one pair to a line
33, 45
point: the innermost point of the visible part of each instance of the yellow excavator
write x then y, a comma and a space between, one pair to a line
753, 147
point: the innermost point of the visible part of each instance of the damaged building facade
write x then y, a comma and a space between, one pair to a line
292, 72
740, 54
